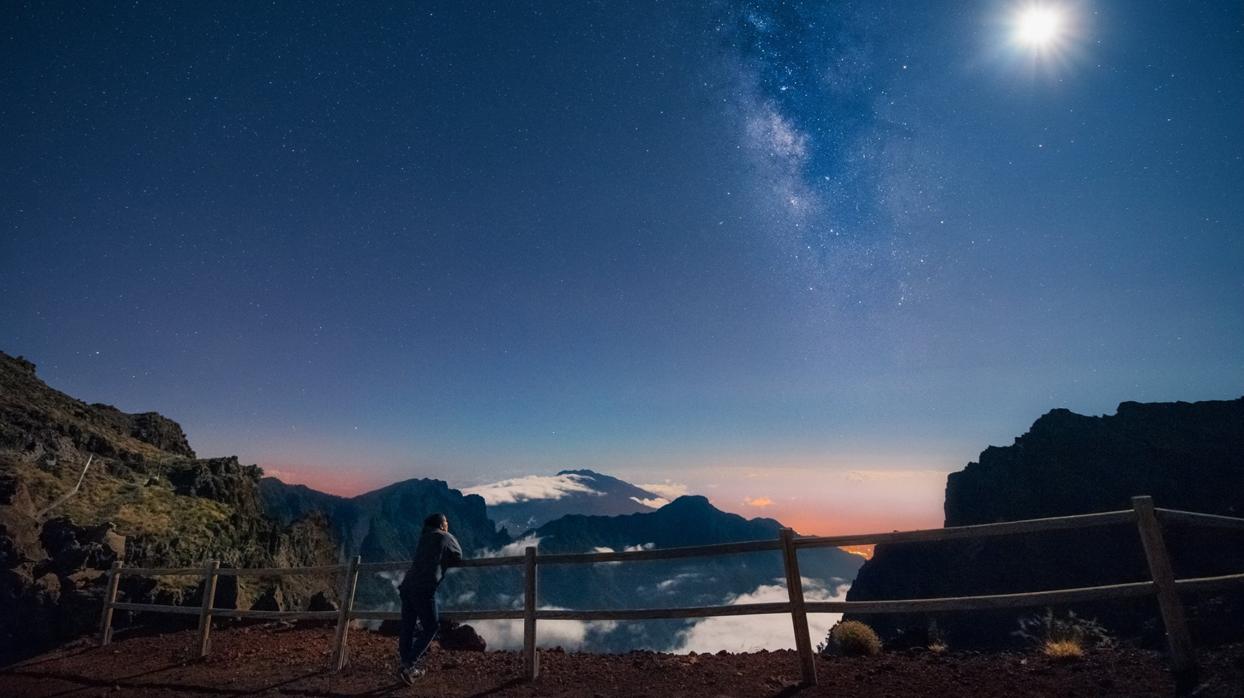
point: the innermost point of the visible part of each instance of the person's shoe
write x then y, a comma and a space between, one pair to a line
408, 674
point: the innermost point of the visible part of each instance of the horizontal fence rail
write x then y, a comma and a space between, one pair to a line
1143, 514
163, 571
278, 571
1057, 523
1191, 517
988, 602
1200, 584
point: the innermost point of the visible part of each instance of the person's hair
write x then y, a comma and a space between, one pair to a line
434, 520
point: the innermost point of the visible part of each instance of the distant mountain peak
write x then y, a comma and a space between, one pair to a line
584, 472
689, 502
527, 502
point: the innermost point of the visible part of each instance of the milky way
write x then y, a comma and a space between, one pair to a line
745, 248
812, 98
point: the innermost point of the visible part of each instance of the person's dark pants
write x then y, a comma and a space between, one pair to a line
417, 608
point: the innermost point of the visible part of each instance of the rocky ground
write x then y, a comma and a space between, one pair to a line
278, 660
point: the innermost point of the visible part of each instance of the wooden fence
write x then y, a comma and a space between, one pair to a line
1143, 514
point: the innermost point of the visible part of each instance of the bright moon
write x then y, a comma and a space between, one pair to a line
1038, 26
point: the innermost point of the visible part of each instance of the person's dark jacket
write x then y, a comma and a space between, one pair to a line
437, 550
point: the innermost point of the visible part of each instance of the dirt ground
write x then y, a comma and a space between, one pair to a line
278, 660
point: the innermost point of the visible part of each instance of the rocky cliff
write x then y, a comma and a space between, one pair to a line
1186, 455
145, 499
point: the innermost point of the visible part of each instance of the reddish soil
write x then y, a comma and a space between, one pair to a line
277, 660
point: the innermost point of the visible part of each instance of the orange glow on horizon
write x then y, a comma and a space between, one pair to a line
836, 508
845, 523
864, 551
343, 483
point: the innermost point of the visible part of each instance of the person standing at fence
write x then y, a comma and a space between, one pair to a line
437, 549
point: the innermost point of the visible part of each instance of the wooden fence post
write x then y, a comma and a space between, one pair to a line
798, 612
531, 658
110, 598
205, 613
1180, 642
348, 587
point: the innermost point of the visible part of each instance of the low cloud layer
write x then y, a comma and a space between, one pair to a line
518, 547
567, 634
626, 549
730, 633
532, 487
769, 632
666, 490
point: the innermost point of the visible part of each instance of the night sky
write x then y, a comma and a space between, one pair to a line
809, 253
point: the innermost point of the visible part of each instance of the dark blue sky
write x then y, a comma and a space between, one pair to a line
758, 248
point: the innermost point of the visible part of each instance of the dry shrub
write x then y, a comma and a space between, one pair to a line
852, 639
1063, 650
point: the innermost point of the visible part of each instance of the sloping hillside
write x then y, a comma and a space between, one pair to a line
145, 499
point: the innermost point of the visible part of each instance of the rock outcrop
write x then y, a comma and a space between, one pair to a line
1185, 455
223, 480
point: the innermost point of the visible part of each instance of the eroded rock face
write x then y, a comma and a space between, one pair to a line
1185, 455
148, 427
73, 548
223, 480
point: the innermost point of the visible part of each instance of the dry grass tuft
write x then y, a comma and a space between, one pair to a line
1063, 650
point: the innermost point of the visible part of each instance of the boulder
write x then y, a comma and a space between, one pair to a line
85, 579
270, 599
321, 602
71, 548
228, 594
114, 543
46, 590
457, 637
